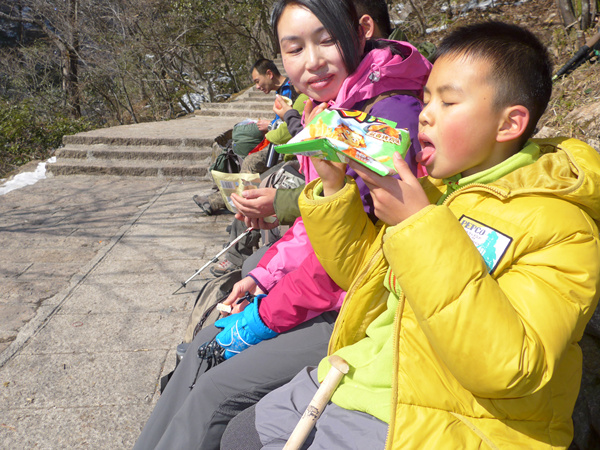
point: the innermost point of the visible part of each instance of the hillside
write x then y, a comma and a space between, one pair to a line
574, 109
121, 83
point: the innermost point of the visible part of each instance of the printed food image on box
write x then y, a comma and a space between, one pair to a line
338, 135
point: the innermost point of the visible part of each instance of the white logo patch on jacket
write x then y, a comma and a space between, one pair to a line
490, 242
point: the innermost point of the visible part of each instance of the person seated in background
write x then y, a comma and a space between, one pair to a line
468, 298
249, 134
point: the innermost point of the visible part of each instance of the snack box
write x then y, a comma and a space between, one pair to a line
228, 183
339, 135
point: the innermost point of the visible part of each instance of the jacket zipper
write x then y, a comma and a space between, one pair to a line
345, 304
396, 363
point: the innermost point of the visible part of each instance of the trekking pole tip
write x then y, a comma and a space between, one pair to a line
179, 288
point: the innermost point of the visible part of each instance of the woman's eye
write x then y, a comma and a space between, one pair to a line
328, 41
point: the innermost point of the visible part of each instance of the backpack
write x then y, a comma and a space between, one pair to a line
205, 306
246, 136
227, 161
205, 311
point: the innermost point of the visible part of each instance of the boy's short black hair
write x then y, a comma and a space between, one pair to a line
520, 65
263, 64
378, 10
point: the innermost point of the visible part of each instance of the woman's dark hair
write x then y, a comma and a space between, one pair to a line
338, 17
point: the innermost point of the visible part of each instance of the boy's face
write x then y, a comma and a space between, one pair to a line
459, 123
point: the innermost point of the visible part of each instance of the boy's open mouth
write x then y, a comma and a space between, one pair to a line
425, 156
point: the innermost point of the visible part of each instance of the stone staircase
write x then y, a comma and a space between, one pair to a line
249, 104
77, 158
181, 148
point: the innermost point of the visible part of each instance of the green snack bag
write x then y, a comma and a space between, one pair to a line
339, 135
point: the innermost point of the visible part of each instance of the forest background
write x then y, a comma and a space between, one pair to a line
73, 65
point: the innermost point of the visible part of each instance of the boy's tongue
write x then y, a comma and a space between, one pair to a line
425, 155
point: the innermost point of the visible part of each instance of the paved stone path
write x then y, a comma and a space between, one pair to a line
88, 322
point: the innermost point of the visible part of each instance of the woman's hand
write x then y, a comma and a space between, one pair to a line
280, 107
240, 288
311, 111
394, 200
257, 223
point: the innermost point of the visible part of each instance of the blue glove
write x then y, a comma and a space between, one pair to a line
243, 330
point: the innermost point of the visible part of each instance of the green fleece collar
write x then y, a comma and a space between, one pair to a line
528, 155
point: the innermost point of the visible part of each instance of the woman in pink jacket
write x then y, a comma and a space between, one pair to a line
268, 341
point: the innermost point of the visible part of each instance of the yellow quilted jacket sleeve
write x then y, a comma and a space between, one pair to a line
339, 230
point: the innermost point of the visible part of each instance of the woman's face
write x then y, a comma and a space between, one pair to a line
310, 56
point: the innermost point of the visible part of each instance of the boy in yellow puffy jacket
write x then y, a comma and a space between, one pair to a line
467, 300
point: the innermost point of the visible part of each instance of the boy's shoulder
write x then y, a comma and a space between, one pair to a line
548, 145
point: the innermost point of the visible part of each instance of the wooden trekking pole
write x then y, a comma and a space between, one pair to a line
313, 411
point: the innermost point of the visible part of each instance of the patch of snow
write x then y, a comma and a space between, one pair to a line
26, 178
431, 30
193, 100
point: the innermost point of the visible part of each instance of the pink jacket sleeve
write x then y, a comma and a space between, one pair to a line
301, 295
286, 255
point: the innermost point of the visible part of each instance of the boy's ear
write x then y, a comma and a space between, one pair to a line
367, 24
514, 123
269, 74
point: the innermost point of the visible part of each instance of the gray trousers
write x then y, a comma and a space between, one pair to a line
196, 418
269, 423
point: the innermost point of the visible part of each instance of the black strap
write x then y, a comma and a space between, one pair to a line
372, 101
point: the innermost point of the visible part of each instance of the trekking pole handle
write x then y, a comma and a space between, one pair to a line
570, 63
313, 411
582, 54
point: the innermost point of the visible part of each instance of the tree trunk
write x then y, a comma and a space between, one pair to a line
566, 12
71, 64
586, 18
20, 25
71, 83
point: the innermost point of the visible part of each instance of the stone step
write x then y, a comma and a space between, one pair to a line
242, 113
264, 100
130, 152
256, 94
133, 140
257, 105
177, 169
